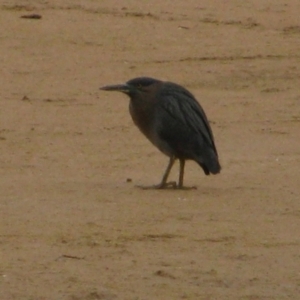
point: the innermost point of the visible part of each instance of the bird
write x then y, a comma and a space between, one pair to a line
172, 120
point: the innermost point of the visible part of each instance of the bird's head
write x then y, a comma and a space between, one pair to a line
134, 86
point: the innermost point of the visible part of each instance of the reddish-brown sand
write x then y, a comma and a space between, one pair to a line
72, 227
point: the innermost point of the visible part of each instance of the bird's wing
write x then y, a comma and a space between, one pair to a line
183, 108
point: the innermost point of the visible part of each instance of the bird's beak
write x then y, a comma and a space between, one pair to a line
116, 87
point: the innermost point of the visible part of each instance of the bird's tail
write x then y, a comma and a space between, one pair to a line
209, 162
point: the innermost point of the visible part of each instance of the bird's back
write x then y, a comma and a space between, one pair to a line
181, 124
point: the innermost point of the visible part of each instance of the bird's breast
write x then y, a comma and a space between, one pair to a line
143, 117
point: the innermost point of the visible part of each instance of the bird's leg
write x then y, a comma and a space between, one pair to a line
164, 184
181, 173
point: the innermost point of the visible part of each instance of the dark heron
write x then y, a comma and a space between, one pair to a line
172, 119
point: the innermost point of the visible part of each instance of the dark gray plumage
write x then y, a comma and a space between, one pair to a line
172, 119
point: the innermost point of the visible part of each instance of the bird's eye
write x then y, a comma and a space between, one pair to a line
139, 86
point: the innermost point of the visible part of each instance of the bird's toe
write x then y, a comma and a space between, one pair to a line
160, 186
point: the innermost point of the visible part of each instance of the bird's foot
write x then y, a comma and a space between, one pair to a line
160, 186
167, 185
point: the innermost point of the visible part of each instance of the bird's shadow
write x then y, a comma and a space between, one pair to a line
172, 185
